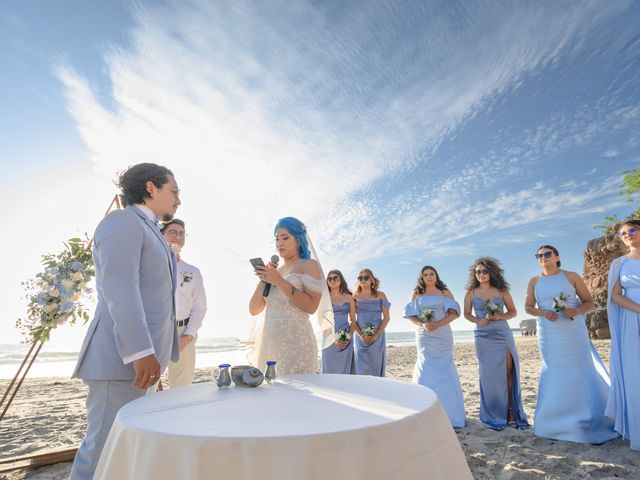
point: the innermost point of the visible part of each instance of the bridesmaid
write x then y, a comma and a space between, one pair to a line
338, 358
435, 367
624, 322
498, 366
372, 307
573, 386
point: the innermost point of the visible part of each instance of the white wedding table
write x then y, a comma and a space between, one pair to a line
303, 427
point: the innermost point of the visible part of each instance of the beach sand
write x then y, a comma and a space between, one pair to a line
49, 413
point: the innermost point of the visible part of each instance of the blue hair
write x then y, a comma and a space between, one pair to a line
296, 228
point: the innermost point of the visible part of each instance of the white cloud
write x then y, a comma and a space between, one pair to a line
283, 109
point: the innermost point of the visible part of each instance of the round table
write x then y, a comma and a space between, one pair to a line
302, 427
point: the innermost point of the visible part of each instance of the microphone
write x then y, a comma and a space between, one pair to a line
267, 286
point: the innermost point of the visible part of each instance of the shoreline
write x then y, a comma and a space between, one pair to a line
49, 413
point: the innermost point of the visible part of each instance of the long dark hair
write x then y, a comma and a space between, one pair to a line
496, 274
133, 182
421, 287
553, 249
344, 288
375, 283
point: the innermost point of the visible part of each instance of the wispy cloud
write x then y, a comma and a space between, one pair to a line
329, 113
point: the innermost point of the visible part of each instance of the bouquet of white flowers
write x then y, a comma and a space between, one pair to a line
369, 330
425, 316
560, 303
491, 308
343, 337
56, 294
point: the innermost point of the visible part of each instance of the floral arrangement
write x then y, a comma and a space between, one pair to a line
186, 277
55, 296
491, 308
425, 316
342, 337
369, 330
560, 303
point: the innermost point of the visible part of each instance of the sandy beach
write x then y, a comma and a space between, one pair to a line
48, 413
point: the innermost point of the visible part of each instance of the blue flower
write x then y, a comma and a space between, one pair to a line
76, 266
41, 298
66, 306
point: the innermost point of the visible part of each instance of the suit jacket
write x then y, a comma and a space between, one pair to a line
135, 283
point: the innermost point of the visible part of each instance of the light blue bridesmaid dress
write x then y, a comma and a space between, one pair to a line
370, 359
624, 396
435, 367
573, 387
492, 342
335, 360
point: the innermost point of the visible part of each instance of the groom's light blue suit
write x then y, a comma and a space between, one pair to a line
135, 283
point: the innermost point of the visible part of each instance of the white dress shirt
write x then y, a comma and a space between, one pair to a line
191, 300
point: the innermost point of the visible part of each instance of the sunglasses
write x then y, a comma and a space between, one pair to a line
543, 255
333, 278
363, 278
482, 272
628, 233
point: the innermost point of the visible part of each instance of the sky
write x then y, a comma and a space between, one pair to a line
401, 133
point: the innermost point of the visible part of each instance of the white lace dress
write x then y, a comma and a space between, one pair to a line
285, 334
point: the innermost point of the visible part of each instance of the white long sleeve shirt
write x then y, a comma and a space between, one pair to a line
191, 300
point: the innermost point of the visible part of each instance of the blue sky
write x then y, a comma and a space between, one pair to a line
401, 133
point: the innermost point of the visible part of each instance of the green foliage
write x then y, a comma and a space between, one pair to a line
630, 188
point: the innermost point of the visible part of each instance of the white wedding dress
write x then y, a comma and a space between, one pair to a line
285, 334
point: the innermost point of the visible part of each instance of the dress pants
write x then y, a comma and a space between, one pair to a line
104, 400
181, 372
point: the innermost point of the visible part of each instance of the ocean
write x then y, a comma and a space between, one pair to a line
55, 361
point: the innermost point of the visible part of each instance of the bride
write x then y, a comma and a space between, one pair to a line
297, 291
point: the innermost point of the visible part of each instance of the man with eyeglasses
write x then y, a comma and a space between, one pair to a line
191, 306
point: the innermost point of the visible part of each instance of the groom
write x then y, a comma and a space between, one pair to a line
133, 333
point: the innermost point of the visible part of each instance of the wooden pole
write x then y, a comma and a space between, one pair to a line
16, 375
34, 460
17, 387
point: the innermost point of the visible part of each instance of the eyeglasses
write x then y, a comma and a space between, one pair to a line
176, 233
333, 278
363, 278
541, 255
628, 233
482, 272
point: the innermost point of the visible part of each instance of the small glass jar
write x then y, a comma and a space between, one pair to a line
270, 373
224, 377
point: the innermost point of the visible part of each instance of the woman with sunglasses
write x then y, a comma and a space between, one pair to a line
573, 386
432, 309
498, 367
623, 309
372, 317
338, 358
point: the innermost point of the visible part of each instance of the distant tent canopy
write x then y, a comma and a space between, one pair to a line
528, 326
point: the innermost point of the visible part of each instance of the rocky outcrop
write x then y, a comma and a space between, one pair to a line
598, 255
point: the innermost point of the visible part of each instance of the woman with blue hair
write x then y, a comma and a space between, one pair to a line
297, 291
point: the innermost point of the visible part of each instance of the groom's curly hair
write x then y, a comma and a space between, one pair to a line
133, 182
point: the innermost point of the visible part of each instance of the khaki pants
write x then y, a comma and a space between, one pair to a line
181, 372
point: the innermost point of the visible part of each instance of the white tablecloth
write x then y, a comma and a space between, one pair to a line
303, 427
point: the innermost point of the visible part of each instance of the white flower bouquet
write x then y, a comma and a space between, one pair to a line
342, 336
369, 330
425, 316
491, 308
54, 295
560, 303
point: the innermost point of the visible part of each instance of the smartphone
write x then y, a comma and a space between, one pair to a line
256, 262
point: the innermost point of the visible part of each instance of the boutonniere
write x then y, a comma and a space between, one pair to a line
186, 278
